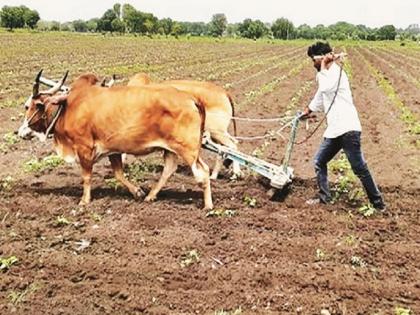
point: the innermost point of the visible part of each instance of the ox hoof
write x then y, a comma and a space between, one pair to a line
138, 194
83, 203
150, 198
237, 176
208, 207
213, 176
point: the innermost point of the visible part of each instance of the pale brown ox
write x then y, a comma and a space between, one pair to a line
219, 111
97, 122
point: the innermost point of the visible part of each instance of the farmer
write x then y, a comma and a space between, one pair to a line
334, 98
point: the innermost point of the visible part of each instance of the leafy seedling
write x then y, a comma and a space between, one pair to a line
6, 263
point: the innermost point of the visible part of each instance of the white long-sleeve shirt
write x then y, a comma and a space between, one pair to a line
343, 115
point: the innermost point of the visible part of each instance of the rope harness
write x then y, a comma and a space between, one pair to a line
282, 120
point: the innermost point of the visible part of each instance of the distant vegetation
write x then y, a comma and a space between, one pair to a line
127, 19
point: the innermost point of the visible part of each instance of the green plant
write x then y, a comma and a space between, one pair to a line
367, 210
17, 297
237, 311
402, 311
406, 115
350, 240
189, 258
345, 183
320, 254
10, 138
221, 213
250, 202
137, 171
96, 217
113, 183
6, 263
61, 221
357, 261
47, 163
6, 184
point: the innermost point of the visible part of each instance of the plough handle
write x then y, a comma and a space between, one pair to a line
292, 138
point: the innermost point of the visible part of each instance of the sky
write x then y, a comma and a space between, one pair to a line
373, 13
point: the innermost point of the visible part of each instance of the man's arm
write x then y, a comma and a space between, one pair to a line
316, 105
327, 80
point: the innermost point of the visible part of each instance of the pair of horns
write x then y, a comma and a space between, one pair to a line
52, 90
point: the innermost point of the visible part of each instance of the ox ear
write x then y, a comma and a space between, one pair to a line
35, 88
56, 99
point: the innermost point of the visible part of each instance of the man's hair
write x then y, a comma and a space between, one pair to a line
319, 49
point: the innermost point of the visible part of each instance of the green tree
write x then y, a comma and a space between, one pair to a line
194, 28
31, 17
117, 9
80, 26
252, 29
342, 30
283, 29
118, 26
105, 22
149, 26
55, 26
305, 31
67, 27
12, 17
218, 24
321, 32
166, 25
177, 29
92, 25
386, 32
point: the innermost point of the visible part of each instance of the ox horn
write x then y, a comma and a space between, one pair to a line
35, 88
110, 83
58, 85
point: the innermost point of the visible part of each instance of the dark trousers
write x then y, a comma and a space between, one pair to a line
350, 143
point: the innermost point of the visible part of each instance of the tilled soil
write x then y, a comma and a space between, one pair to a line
275, 255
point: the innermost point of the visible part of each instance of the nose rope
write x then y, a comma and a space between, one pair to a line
30, 123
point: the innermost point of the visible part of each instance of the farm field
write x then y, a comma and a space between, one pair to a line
252, 255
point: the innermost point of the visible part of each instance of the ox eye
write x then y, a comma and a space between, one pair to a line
26, 107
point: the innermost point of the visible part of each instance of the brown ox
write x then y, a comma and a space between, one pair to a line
95, 122
219, 111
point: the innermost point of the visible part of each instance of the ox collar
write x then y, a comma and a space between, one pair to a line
51, 126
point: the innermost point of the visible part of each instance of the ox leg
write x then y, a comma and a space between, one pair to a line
168, 169
201, 174
117, 167
225, 139
87, 168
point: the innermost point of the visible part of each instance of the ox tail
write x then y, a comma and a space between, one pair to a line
202, 112
232, 104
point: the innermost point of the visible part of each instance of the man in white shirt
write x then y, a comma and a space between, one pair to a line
334, 98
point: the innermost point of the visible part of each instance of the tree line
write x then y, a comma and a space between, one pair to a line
127, 19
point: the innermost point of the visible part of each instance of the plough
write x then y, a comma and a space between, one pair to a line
279, 175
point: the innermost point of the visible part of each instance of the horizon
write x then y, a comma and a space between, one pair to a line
299, 12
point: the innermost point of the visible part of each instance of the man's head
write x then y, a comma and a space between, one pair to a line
317, 51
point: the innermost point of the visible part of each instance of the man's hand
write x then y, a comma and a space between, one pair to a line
328, 58
305, 114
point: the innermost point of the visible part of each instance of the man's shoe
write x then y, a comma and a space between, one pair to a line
314, 201
380, 207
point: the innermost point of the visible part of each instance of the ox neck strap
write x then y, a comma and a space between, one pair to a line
56, 115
